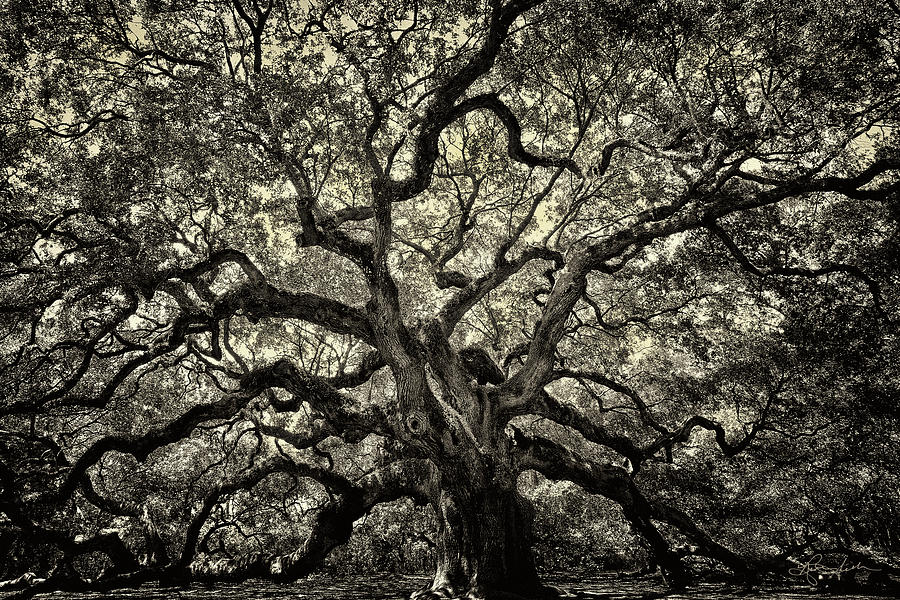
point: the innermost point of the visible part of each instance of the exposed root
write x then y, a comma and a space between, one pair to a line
23, 581
451, 592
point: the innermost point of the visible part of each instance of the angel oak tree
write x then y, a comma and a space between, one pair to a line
414, 249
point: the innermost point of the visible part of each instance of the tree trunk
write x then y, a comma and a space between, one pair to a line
484, 547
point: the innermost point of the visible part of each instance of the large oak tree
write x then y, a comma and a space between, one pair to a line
263, 250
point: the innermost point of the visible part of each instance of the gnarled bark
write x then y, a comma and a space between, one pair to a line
108, 301
484, 547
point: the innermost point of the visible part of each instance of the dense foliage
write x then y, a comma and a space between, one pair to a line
471, 279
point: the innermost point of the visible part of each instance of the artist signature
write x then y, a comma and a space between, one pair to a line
813, 570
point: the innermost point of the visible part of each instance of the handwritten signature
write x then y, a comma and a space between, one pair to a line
813, 570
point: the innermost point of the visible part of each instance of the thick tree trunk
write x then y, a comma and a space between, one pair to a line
484, 547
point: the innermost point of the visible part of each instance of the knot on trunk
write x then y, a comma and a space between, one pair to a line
417, 422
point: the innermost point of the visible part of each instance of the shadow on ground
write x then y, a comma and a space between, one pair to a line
604, 586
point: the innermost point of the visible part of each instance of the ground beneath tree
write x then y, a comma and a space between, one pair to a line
604, 586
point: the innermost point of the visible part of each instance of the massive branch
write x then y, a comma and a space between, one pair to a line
314, 390
686, 213
334, 523
557, 462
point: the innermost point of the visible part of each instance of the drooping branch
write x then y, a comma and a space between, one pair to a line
246, 480
334, 523
140, 446
556, 462
706, 545
55, 458
182, 326
695, 209
668, 437
259, 299
256, 298
78, 130
748, 265
637, 319
215, 260
89, 349
332, 527
281, 374
108, 543
849, 186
